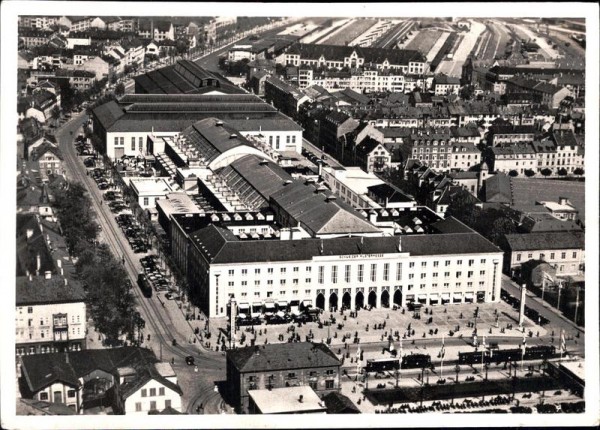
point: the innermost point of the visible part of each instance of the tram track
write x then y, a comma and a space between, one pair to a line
149, 307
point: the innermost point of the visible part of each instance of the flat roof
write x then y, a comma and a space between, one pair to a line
145, 186
577, 368
287, 400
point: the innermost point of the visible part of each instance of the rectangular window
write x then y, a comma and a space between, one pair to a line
361, 268
307, 280
30, 310
167, 403
471, 262
411, 276
230, 283
329, 384
138, 406
71, 393
231, 272
434, 274
141, 144
482, 273
152, 392
244, 272
423, 264
133, 143
386, 272
458, 274
575, 255
518, 257
436, 263
244, 283
270, 270
398, 271
116, 141
308, 269
411, 264
144, 392
146, 201
334, 274
152, 405
257, 271
470, 274
459, 262
347, 273
282, 270
447, 263
296, 269
321, 274
257, 283
563, 255
373, 272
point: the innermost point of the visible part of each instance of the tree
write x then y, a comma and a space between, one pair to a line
500, 228
67, 97
529, 173
113, 79
513, 173
562, 171
120, 89
546, 172
578, 171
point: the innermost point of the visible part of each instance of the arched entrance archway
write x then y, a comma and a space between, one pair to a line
398, 298
385, 299
346, 300
333, 301
359, 300
320, 302
373, 299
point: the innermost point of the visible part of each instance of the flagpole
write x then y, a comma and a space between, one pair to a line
442, 364
482, 353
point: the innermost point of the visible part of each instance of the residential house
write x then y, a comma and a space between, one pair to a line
508, 134
431, 147
48, 159
444, 85
42, 105
518, 157
76, 23
106, 23
569, 153
463, 156
563, 250
134, 51
29, 38
334, 133
372, 156
275, 366
551, 95
284, 96
124, 381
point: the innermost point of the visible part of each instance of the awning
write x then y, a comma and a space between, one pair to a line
307, 303
282, 303
280, 314
422, 296
270, 305
244, 305
295, 311
468, 295
255, 304
242, 316
410, 297
457, 295
434, 296
445, 296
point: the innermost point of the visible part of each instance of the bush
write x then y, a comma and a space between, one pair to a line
578, 171
513, 173
546, 172
562, 171
529, 173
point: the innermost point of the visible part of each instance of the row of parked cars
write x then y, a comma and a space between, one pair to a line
133, 232
155, 276
83, 147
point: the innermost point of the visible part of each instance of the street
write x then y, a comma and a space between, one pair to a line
197, 387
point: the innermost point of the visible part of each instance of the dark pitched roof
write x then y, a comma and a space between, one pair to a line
337, 403
274, 357
44, 148
108, 113
390, 192
45, 291
44, 369
220, 246
498, 189
546, 240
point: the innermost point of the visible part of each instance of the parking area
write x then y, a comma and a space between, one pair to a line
133, 230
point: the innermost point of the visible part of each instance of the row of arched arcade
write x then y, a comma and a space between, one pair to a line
358, 300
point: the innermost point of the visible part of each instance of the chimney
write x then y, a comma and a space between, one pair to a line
301, 398
562, 200
66, 282
47, 274
30, 277
232, 136
29, 233
38, 265
219, 124
66, 357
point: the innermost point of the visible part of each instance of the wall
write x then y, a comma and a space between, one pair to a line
130, 402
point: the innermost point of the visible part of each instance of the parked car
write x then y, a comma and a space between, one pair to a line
190, 360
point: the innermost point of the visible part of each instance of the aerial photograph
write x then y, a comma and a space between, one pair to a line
248, 215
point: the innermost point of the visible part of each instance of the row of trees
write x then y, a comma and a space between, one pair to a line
109, 296
547, 172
